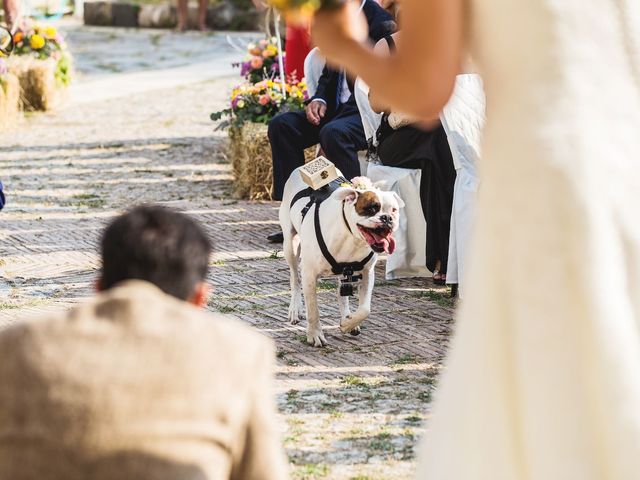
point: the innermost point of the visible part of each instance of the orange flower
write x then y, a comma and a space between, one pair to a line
256, 62
264, 99
17, 37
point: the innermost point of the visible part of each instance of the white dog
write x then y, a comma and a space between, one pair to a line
339, 236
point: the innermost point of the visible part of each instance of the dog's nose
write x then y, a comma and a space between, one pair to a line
386, 219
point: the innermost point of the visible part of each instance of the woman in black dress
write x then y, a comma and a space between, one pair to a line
411, 147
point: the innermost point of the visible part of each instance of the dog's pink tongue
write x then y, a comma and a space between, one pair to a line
389, 244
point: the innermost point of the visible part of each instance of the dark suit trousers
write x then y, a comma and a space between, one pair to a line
341, 136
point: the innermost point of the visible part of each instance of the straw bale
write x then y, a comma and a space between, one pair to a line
37, 82
250, 155
9, 101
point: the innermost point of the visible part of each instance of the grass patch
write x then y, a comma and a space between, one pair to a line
325, 285
382, 442
406, 359
443, 298
353, 381
424, 396
414, 419
311, 471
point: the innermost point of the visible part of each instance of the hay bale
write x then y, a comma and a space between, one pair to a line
39, 90
250, 154
9, 101
254, 163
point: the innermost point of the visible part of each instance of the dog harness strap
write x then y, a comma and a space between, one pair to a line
303, 194
344, 217
336, 267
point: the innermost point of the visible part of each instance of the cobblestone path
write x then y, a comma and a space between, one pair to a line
353, 410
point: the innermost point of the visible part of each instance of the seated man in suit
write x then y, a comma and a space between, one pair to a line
140, 382
330, 118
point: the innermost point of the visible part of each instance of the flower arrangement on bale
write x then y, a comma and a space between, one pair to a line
42, 63
262, 61
43, 43
261, 101
251, 108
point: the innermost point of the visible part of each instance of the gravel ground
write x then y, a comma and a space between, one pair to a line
354, 410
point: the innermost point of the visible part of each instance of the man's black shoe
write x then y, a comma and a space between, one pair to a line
276, 238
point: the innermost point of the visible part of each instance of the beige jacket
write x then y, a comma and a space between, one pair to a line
137, 385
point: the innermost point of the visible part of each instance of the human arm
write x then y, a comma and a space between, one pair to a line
419, 78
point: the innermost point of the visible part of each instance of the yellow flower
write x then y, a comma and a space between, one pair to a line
50, 32
36, 42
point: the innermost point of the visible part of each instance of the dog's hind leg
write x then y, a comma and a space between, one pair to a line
351, 324
291, 249
315, 336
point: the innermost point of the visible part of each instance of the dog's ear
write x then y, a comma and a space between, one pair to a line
398, 199
380, 185
346, 194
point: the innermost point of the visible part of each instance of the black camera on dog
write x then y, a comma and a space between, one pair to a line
348, 283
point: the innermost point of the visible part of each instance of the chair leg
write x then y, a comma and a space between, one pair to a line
454, 290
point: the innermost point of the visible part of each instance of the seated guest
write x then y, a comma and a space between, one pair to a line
139, 382
331, 118
401, 144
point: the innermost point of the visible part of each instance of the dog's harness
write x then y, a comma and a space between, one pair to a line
347, 269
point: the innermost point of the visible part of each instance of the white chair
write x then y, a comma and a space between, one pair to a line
313, 66
463, 120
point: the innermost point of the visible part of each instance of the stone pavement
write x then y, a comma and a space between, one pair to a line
353, 410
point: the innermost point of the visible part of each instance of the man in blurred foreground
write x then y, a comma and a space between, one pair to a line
140, 382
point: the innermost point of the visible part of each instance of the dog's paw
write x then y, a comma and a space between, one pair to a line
316, 338
355, 332
351, 322
295, 315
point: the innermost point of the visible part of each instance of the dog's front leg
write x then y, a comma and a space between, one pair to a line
351, 324
343, 304
315, 336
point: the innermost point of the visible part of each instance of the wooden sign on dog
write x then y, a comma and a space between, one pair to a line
318, 173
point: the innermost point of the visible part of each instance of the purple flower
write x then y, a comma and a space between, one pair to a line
245, 68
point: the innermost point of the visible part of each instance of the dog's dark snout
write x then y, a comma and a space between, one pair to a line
386, 219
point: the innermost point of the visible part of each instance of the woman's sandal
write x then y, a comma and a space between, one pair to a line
439, 278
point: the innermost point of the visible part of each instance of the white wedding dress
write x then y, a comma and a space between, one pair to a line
543, 375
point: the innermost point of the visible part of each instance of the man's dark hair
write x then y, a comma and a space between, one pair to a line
156, 244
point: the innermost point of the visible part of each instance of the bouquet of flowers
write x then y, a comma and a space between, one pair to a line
42, 43
261, 101
261, 62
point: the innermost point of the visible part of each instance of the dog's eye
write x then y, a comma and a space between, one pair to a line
394, 210
372, 209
